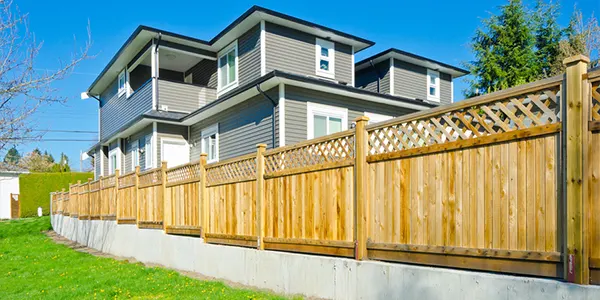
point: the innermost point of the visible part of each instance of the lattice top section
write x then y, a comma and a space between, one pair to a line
527, 110
94, 185
336, 148
153, 176
185, 172
127, 180
83, 188
242, 168
595, 103
109, 181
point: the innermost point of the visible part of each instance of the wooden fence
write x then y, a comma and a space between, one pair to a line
506, 182
593, 175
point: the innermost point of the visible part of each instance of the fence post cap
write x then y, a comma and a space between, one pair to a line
362, 118
137, 169
163, 164
261, 146
575, 59
78, 181
203, 154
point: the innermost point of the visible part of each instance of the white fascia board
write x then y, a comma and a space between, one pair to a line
281, 115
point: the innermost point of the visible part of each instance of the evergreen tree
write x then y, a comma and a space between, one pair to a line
548, 35
504, 51
12, 156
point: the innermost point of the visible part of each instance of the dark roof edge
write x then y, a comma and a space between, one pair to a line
391, 50
256, 8
276, 73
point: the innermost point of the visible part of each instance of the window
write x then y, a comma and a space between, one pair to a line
112, 163
325, 55
122, 83
433, 85
228, 68
148, 151
210, 143
325, 119
135, 154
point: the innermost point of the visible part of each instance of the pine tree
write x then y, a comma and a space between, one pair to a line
504, 51
12, 156
548, 35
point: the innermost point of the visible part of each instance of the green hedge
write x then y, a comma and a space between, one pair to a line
35, 189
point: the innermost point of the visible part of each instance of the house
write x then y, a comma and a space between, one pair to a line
9, 185
266, 78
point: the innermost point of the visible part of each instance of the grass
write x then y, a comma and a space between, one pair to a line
33, 266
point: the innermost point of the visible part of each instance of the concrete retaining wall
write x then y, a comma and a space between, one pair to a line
310, 275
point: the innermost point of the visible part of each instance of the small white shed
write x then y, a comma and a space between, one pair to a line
9, 184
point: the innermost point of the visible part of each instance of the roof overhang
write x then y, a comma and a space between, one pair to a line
256, 14
144, 34
413, 59
138, 40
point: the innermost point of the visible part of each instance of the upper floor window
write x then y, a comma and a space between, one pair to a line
122, 83
325, 56
433, 85
228, 68
210, 143
325, 119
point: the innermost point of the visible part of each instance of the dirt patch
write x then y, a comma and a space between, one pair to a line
84, 249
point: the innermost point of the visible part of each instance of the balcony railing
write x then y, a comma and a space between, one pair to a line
183, 97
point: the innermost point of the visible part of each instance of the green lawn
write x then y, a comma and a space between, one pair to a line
32, 266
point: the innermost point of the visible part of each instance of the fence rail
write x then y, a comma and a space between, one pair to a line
506, 182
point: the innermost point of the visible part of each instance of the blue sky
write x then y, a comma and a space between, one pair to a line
439, 30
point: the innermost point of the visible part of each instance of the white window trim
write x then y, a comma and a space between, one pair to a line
435, 98
327, 110
281, 114
122, 90
212, 129
117, 153
392, 76
331, 58
174, 141
135, 152
234, 84
376, 118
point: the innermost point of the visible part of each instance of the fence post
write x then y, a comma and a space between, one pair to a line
137, 194
116, 194
163, 190
89, 199
361, 205
78, 199
100, 197
575, 138
260, 195
203, 195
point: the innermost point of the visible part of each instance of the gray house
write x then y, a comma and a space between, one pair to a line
266, 78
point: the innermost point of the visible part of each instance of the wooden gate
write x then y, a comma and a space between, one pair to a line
593, 176
15, 206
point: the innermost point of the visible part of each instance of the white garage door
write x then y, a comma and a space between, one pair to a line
175, 152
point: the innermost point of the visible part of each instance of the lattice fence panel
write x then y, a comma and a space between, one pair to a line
94, 185
337, 149
151, 177
513, 113
183, 173
595, 103
127, 180
243, 169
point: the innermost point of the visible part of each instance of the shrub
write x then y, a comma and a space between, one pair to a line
35, 189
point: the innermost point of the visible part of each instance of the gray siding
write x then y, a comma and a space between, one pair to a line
134, 138
249, 55
183, 97
105, 159
204, 73
411, 81
296, 110
116, 112
97, 163
293, 51
241, 128
367, 78
169, 131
